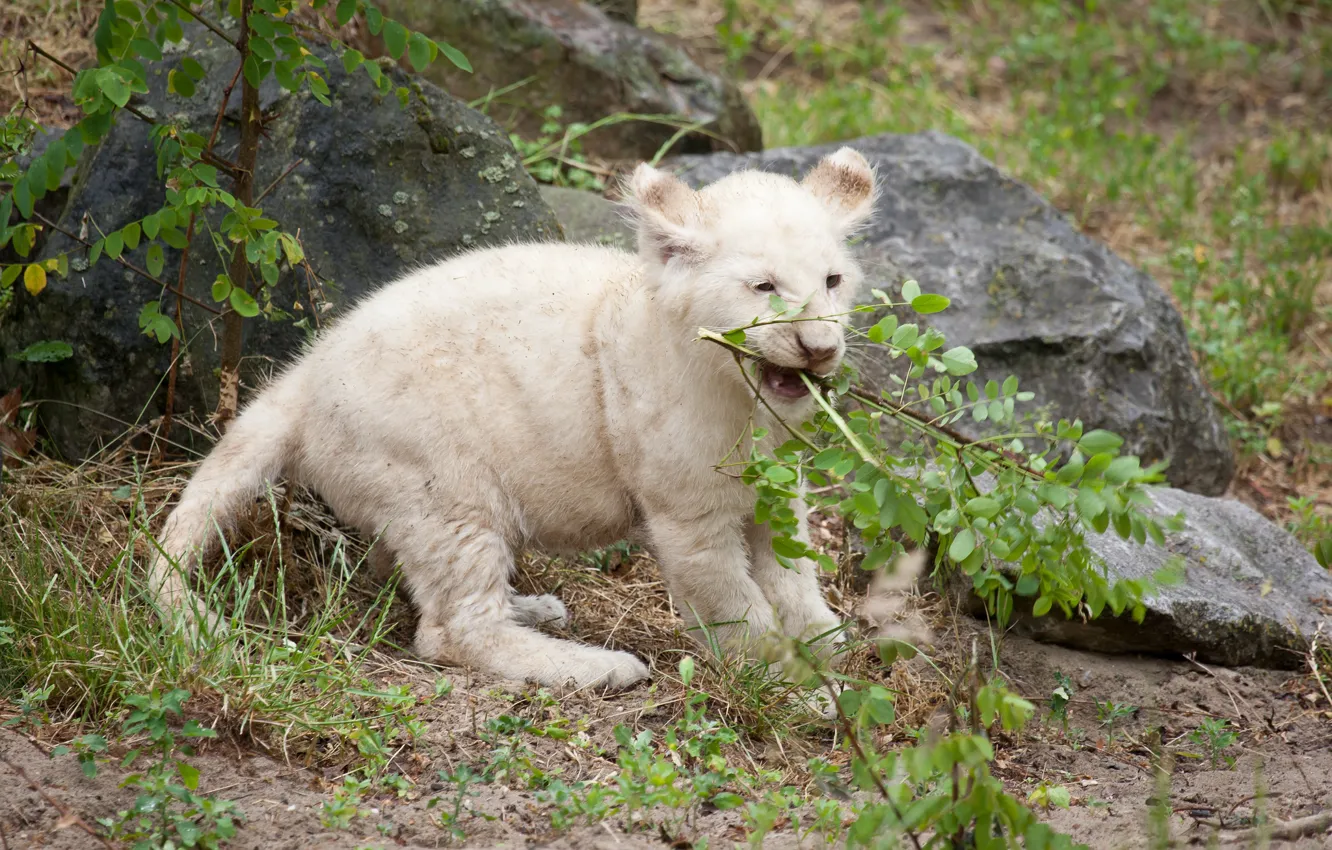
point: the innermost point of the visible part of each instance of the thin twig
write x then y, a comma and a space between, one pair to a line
212, 27
222, 108
143, 273
180, 328
67, 814
1290, 830
277, 180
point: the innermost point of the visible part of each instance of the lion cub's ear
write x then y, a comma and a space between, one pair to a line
844, 182
667, 215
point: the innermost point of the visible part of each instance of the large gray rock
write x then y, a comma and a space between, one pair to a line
1250, 594
591, 63
588, 217
382, 189
1092, 336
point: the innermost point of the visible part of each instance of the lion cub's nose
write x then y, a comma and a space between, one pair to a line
818, 357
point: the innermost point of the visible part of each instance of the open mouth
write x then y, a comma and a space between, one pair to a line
782, 382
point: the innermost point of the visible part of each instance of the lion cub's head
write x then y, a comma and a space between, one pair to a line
719, 254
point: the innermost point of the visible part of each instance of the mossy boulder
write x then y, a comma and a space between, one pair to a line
590, 62
377, 189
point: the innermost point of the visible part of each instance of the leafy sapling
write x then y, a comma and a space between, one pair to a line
1060, 697
1214, 736
168, 811
1110, 714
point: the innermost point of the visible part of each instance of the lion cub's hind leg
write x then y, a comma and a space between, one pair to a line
543, 610
458, 575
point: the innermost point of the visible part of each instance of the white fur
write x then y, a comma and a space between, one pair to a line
556, 397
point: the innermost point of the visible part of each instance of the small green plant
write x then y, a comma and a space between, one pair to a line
1059, 699
1214, 736
87, 748
611, 557
462, 779
1110, 714
556, 156
32, 708
511, 761
168, 813
1046, 795
345, 807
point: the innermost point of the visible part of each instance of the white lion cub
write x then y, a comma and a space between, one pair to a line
556, 396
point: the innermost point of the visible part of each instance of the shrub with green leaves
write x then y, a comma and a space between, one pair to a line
269, 38
168, 811
1011, 512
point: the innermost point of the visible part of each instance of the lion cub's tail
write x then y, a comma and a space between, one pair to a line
253, 452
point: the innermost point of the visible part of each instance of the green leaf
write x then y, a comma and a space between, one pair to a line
222, 288
254, 73
827, 458
1071, 471
964, 543
351, 60
189, 774
174, 238
727, 800
155, 261
982, 506
1322, 552
1090, 504
421, 51
243, 302
905, 336
374, 19
146, 49
154, 324
910, 291
779, 474
131, 234
46, 351
10, 274
115, 244
1042, 606
395, 38
151, 224
116, 89
882, 329
687, 669
1122, 469
926, 304
1095, 442
345, 12
192, 68
452, 54
777, 305
23, 198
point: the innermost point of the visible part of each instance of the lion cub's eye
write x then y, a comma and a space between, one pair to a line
834, 281
765, 286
